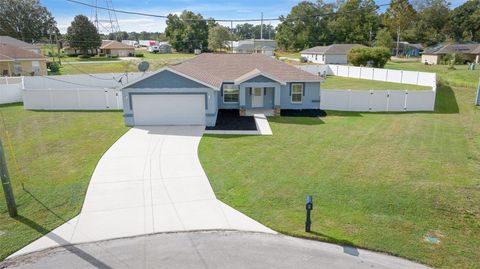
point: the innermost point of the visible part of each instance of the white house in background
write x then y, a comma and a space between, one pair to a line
333, 54
130, 42
265, 46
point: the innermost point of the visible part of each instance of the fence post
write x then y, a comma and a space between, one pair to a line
405, 105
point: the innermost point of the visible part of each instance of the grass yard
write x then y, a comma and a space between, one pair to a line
461, 77
96, 68
164, 56
293, 55
56, 153
341, 83
382, 181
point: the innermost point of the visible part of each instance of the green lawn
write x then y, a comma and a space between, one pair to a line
460, 77
293, 55
164, 56
340, 83
382, 181
96, 68
56, 153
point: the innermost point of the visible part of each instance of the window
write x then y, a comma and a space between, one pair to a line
36, 67
17, 66
231, 93
297, 92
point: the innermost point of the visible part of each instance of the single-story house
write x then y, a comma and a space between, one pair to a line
406, 49
192, 92
265, 46
70, 51
15, 61
435, 54
115, 48
333, 54
20, 44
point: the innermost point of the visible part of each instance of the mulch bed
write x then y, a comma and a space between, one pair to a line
314, 113
229, 119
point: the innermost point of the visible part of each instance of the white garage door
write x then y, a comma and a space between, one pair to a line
169, 109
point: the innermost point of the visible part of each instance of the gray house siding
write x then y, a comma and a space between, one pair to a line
310, 100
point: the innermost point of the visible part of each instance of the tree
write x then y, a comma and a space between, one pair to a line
304, 27
83, 35
384, 38
118, 36
399, 17
245, 31
362, 56
187, 32
355, 21
217, 37
26, 20
465, 21
432, 24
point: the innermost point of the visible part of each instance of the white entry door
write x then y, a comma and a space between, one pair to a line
257, 97
174, 109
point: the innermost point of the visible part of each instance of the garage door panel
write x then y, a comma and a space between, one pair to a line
169, 109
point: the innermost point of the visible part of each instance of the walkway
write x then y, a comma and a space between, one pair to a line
149, 181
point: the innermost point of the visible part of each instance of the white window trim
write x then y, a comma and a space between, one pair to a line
229, 102
301, 94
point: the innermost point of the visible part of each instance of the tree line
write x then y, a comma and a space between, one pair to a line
359, 21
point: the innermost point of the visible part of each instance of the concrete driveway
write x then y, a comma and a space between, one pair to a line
149, 181
221, 249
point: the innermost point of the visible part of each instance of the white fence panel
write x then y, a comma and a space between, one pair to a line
427, 79
420, 101
76, 99
380, 74
367, 73
343, 71
354, 72
359, 101
396, 100
11, 89
394, 76
334, 99
410, 77
378, 100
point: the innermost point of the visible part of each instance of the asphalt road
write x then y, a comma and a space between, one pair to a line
219, 249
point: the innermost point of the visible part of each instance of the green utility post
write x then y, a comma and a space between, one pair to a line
7, 186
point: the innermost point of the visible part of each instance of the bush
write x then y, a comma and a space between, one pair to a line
363, 56
54, 67
139, 55
84, 56
101, 55
114, 56
303, 60
453, 58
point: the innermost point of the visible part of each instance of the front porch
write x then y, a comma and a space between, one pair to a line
259, 98
255, 111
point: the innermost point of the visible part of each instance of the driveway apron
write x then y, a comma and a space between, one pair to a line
149, 181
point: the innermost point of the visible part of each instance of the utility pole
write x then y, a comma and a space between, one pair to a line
7, 186
51, 44
398, 39
261, 27
231, 29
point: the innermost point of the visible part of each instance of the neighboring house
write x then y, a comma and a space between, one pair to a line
20, 44
69, 51
265, 46
435, 54
191, 92
130, 42
115, 48
15, 61
407, 50
333, 54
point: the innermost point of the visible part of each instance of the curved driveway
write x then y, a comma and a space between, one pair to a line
149, 181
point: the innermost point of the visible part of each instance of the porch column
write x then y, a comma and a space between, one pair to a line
242, 100
276, 101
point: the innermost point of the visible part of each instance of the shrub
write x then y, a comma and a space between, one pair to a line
54, 67
453, 58
363, 56
139, 55
114, 56
101, 55
84, 56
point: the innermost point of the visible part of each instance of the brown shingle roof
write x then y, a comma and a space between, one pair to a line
17, 43
115, 45
8, 51
453, 48
214, 69
334, 49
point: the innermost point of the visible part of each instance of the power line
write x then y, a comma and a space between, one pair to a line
224, 20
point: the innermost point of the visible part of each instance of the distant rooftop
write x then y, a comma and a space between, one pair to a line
334, 49
453, 48
10, 53
17, 43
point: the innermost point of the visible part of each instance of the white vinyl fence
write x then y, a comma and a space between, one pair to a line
477, 100
75, 92
376, 100
11, 89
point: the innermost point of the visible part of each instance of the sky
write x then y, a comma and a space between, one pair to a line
64, 11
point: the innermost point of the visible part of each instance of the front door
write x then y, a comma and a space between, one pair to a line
257, 97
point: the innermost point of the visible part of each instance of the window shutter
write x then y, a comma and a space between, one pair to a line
264, 91
290, 89
303, 89
250, 91
221, 92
